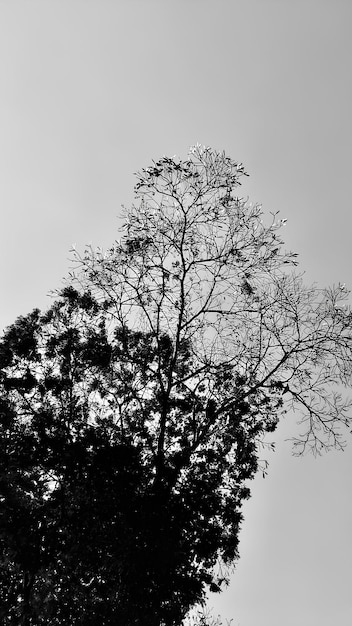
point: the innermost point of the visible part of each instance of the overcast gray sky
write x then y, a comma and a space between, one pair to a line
90, 92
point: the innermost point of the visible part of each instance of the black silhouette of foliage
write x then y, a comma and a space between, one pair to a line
133, 410
91, 528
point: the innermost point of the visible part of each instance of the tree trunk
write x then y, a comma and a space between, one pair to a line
28, 580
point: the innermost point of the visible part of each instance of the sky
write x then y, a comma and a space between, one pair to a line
90, 92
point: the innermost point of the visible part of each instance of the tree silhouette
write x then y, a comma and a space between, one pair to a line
198, 264
133, 410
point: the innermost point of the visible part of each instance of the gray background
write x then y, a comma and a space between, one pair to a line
91, 91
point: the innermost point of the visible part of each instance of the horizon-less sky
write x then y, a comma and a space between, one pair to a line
93, 90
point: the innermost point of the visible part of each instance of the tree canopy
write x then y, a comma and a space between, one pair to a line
133, 410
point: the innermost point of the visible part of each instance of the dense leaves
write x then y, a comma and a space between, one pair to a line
91, 526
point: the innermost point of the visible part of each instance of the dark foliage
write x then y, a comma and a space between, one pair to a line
92, 528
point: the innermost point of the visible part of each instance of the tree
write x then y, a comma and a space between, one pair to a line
88, 530
134, 410
198, 264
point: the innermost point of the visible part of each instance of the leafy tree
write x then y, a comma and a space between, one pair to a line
88, 529
133, 411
